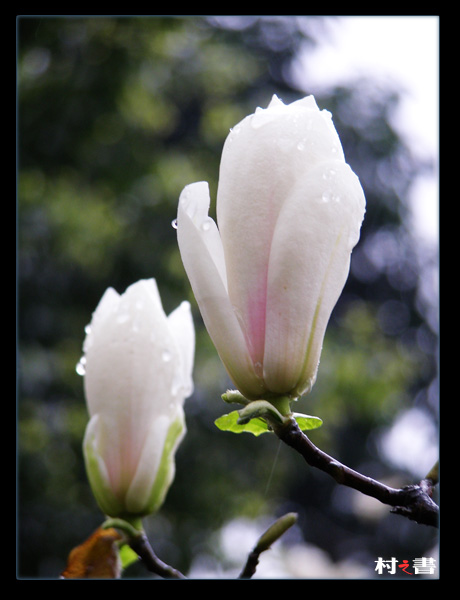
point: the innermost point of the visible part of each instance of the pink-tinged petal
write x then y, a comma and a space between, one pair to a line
202, 255
100, 478
138, 374
143, 479
309, 265
263, 158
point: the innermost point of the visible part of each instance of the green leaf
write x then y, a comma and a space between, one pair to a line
229, 422
127, 556
257, 426
306, 422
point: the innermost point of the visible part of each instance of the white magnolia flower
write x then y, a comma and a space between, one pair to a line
138, 372
289, 211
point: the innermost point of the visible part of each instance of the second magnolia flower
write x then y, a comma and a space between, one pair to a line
138, 373
289, 211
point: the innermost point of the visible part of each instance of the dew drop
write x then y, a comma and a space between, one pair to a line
206, 225
329, 174
174, 223
185, 202
88, 329
166, 355
301, 146
330, 197
81, 366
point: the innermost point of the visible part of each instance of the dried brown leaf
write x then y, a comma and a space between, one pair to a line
96, 558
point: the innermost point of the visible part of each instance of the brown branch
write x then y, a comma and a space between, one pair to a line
152, 563
412, 501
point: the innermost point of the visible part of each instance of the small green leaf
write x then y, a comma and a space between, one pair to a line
306, 422
256, 425
127, 556
229, 422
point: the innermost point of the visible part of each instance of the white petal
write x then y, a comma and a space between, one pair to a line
100, 479
147, 466
309, 265
203, 259
259, 168
194, 201
156, 467
275, 101
183, 333
105, 309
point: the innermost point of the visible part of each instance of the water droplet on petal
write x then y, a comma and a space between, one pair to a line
174, 223
166, 355
81, 366
330, 197
206, 225
329, 174
88, 329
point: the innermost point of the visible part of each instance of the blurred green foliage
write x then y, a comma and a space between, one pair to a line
115, 117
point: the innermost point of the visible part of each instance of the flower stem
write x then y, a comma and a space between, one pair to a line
282, 404
144, 550
138, 541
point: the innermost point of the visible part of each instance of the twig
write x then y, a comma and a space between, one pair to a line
137, 540
152, 563
412, 501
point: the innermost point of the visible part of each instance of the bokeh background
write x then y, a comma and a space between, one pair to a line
115, 117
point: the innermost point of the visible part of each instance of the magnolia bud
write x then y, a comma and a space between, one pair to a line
138, 366
289, 212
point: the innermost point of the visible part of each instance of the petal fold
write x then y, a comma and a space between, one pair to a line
309, 265
203, 258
